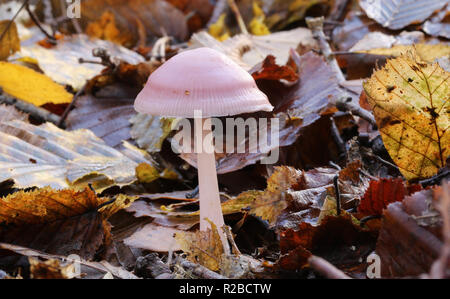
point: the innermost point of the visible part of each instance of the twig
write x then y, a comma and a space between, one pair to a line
237, 14
71, 105
316, 26
338, 194
384, 161
12, 20
346, 104
50, 37
337, 137
37, 112
326, 269
198, 270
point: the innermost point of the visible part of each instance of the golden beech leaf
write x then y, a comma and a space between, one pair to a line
410, 101
203, 247
31, 86
10, 43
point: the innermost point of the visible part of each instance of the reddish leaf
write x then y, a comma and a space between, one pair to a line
383, 192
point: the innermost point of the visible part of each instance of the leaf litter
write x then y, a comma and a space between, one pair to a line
363, 143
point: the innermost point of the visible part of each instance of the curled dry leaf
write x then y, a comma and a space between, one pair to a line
150, 131
28, 85
155, 238
395, 14
48, 156
410, 100
10, 42
57, 222
438, 26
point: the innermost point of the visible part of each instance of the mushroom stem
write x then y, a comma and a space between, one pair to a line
210, 205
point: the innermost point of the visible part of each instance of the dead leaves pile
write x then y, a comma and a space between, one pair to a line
106, 186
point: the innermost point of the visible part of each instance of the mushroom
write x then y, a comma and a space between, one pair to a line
202, 81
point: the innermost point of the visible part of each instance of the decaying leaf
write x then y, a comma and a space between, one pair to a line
410, 100
48, 156
202, 247
10, 42
398, 14
28, 85
150, 131
57, 222
269, 204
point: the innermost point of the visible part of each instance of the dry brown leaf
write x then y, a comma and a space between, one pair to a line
410, 100
10, 43
57, 222
425, 52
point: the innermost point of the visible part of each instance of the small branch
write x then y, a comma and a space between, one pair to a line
37, 112
326, 269
337, 137
238, 16
338, 194
316, 26
198, 270
35, 20
346, 104
71, 105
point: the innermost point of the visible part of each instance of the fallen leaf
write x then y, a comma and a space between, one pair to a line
150, 131
108, 118
66, 54
8, 113
437, 25
409, 242
48, 156
57, 222
249, 50
383, 192
155, 238
202, 247
410, 103
28, 85
425, 52
336, 239
10, 42
398, 14
138, 19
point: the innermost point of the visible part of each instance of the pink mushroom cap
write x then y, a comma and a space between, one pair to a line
201, 79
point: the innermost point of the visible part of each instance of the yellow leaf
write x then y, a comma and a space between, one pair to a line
31, 86
105, 28
10, 43
257, 26
219, 29
203, 247
425, 52
146, 173
410, 101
